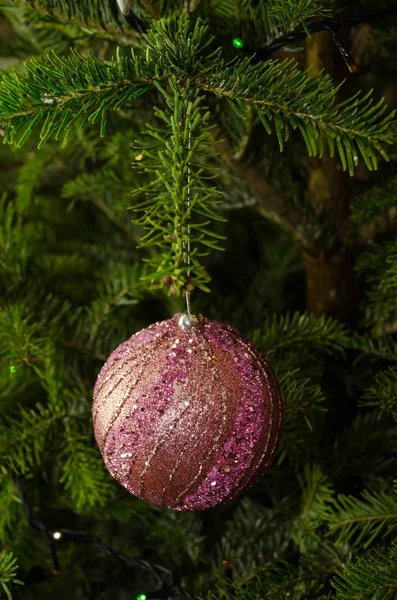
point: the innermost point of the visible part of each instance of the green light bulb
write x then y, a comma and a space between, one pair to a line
141, 597
238, 43
12, 369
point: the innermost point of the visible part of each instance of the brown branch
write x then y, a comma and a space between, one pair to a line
152, 8
270, 202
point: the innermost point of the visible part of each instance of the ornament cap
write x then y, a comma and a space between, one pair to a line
187, 320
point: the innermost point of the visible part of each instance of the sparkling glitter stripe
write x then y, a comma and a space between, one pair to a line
188, 488
245, 348
168, 434
127, 346
243, 344
130, 354
181, 458
160, 375
158, 447
224, 415
249, 472
113, 372
124, 399
110, 391
274, 426
215, 372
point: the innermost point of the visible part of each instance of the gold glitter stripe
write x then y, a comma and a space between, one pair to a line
159, 445
115, 416
132, 354
198, 425
94, 417
129, 348
224, 414
106, 379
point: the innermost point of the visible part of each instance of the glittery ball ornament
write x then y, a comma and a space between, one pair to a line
187, 413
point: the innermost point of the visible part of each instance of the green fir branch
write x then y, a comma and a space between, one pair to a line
304, 400
375, 203
23, 437
293, 14
276, 582
303, 101
361, 520
181, 209
383, 394
8, 570
22, 341
30, 175
378, 266
252, 535
120, 286
317, 495
14, 250
92, 17
366, 446
34, 37
302, 333
53, 94
261, 23
371, 577
376, 347
83, 472
11, 510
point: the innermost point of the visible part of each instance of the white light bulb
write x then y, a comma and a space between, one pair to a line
57, 535
124, 6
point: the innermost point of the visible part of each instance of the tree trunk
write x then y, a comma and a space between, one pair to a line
331, 286
330, 276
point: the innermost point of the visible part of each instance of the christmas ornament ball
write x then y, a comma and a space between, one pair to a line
187, 413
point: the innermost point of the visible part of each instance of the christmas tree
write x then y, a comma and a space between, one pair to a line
240, 156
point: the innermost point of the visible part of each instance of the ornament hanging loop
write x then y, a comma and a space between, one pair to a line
186, 246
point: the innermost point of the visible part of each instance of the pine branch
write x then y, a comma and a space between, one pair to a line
168, 581
302, 333
377, 264
368, 446
93, 16
378, 348
177, 215
24, 436
14, 252
59, 92
120, 287
316, 498
8, 569
266, 20
253, 536
30, 174
303, 401
375, 203
33, 38
383, 393
299, 100
11, 510
363, 519
83, 473
370, 577
276, 582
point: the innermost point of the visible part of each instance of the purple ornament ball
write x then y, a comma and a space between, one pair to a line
187, 417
